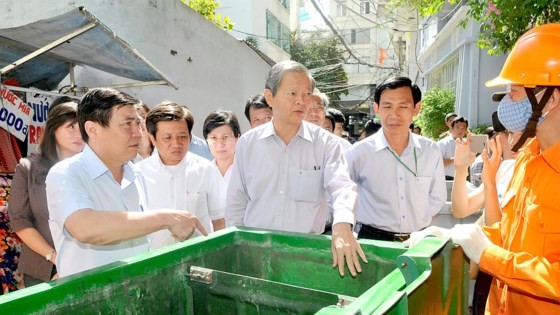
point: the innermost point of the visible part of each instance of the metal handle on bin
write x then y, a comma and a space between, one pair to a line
199, 274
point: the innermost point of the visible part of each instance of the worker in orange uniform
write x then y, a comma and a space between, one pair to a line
522, 252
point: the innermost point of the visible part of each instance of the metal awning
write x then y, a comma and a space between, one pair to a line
43, 53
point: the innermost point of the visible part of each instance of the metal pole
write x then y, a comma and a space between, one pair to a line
46, 48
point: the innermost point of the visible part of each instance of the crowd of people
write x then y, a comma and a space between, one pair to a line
115, 178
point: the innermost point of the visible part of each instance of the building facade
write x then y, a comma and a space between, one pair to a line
268, 23
451, 59
378, 42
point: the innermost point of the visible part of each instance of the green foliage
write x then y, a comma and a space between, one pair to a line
324, 57
502, 22
207, 8
253, 41
436, 103
480, 129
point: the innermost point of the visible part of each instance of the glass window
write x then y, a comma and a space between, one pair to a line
277, 32
446, 76
341, 8
285, 3
364, 6
356, 36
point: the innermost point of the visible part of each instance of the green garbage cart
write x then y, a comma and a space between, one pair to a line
249, 271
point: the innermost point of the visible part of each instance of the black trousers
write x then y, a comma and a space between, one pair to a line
481, 291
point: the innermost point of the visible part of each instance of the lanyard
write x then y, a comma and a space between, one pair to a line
400, 161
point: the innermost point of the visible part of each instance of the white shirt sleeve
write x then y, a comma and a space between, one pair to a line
438, 189
339, 185
236, 199
216, 194
65, 194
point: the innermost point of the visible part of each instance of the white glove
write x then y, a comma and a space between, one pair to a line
416, 237
472, 240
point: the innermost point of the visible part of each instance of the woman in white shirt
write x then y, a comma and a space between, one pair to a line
221, 130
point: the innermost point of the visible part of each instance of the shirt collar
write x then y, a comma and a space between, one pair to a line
380, 142
267, 130
550, 155
93, 164
95, 168
303, 131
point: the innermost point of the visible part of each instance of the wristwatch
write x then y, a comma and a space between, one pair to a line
49, 256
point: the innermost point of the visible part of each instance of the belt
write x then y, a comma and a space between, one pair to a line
385, 235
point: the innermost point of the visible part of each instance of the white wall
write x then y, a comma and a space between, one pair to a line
223, 72
249, 17
473, 98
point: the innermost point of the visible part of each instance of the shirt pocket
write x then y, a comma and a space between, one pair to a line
197, 203
542, 233
306, 185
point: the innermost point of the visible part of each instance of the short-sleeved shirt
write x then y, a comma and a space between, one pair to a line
391, 197
282, 186
193, 185
84, 182
447, 148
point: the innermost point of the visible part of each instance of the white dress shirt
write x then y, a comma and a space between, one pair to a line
345, 144
447, 148
80, 182
282, 187
193, 185
391, 197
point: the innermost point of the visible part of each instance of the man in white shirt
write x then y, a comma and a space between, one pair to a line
399, 174
459, 127
176, 178
316, 115
96, 198
283, 168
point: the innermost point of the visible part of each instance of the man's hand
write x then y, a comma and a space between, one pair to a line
181, 224
345, 246
416, 237
472, 239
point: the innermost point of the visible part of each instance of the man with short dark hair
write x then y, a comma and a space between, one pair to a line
339, 120
399, 174
96, 198
338, 128
459, 128
176, 178
257, 111
448, 120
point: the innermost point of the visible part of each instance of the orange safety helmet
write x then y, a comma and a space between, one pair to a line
534, 60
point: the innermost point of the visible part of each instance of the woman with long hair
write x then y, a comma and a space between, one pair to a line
29, 215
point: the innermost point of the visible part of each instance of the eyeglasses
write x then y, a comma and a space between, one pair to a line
212, 140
